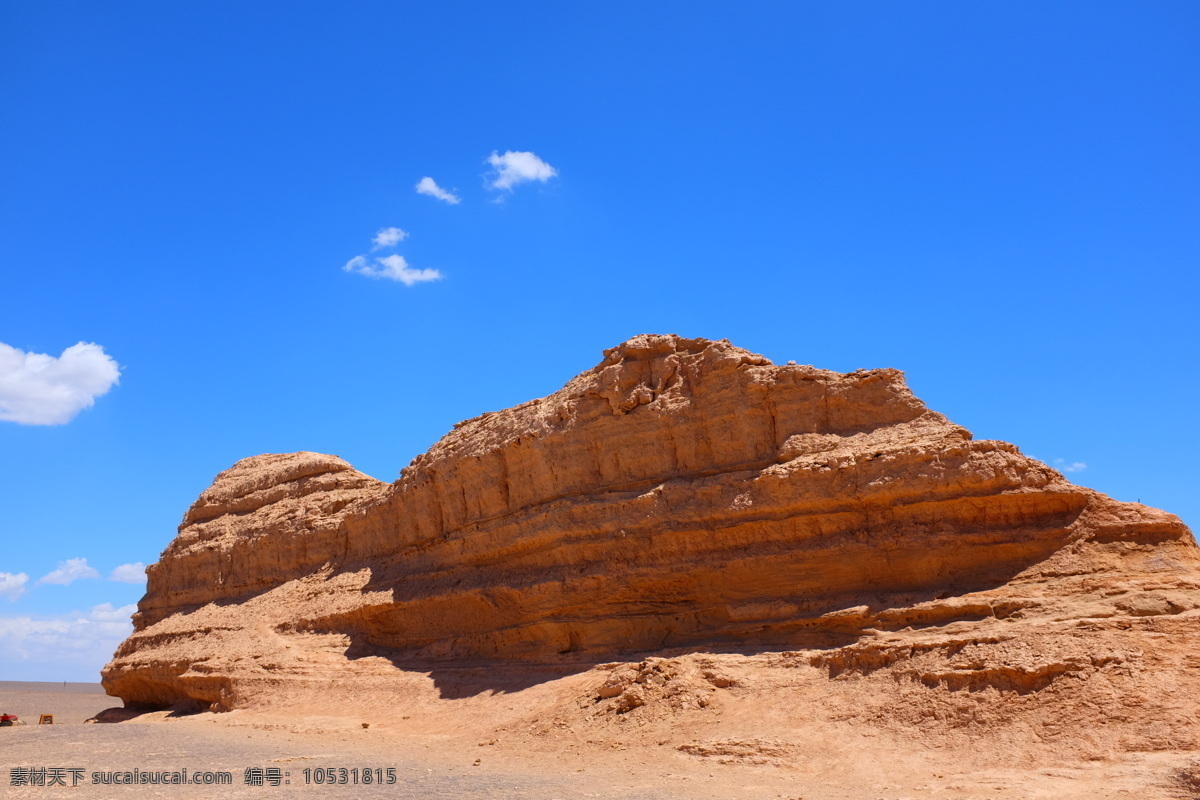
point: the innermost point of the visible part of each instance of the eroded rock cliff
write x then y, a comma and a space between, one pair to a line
683, 494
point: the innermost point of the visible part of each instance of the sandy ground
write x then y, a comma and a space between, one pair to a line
538, 742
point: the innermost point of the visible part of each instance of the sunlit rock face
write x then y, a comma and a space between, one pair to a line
683, 493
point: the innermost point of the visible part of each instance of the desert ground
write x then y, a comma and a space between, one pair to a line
530, 736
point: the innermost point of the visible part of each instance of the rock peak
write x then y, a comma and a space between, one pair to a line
647, 346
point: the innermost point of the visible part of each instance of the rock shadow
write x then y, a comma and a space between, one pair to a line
828, 606
827, 626
134, 710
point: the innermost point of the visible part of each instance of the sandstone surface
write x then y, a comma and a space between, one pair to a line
684, 527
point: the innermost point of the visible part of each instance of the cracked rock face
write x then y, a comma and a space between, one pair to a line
681, 494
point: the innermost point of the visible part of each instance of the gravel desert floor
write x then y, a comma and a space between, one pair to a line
441, 752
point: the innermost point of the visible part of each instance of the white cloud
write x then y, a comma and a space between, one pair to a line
13, 586
39, 389
69, 571
1075, 466
389, 237
429, 186
129, 573
518, 167
106, 613
63, 647
393, 268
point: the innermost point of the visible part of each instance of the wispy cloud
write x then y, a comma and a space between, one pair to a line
39, 389
518, 166
12, 586
69, 571
389, 237
66, 645
428, 186
129, 573
1075, 466
393, 268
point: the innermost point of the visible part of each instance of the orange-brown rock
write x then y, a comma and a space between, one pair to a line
682, 495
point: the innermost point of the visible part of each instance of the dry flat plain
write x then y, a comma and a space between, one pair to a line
492, 746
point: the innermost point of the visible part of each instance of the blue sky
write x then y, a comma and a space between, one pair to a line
999, 198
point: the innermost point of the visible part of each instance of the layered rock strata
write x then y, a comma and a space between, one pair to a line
683, 493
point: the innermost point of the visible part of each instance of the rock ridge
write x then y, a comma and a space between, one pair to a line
683, 493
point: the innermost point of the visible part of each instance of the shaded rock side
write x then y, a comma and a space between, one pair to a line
682, 493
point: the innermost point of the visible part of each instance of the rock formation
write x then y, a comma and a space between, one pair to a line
682, 495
